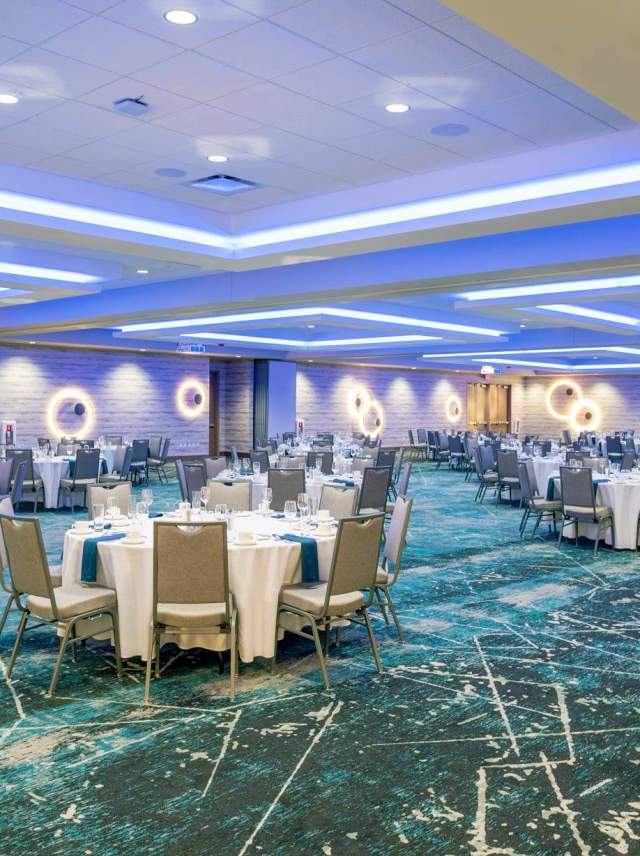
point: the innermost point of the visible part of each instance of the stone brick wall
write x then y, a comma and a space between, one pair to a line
236, 404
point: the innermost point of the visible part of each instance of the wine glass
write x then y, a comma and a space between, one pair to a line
147, 496
195, 500
98, 517
113, 509
204, 497
303, 504
257, 469
268, 496
290, 510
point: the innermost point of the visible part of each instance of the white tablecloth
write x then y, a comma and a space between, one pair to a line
52, 470
256, 575
622, 495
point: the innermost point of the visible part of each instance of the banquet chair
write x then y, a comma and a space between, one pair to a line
113, 440
393, 549
155, 447
236, 495
182, 481
140, 461
121, 466
195, 479
359, 465
421, 446
286, 485
354, 567
533, 503
403, 486
6, 470
373, 492
44, 444
65, 609
508, 478
614, 449
293, 462
338, 501
261, 458
628, 461
158, 463
487, 477
191, 591
578, 497
30, 484
85, 472
66, 449
214, 466
98, 494
326, 461
456, 453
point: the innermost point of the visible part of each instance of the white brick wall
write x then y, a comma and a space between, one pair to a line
236, 404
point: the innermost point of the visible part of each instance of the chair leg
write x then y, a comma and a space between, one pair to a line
5, 612
234, 658
372, 640
392, 609
323, 667
56, 671
275, 645
562, 522
116, 643
18, 642
147, 680
535, 528
74, 644
382, 606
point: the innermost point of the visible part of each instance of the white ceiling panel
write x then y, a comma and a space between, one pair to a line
51, 72
215, 19
33, 134
20, 155
428, 11
470, 34
336, 81
479, 83
414, 56
265, 8
344, 165
327, 124
107, 156
203, 120
195, 76
267, 103
160, 101
111, 46
75, 116
266, 50
32, 21
406, 153
344, 27
10, 48
263, 142
153, 139
31, 103
95, 6
63, 165
577, 97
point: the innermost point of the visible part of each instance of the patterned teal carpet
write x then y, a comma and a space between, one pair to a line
509, 723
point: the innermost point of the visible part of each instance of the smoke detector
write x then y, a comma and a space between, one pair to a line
131, 106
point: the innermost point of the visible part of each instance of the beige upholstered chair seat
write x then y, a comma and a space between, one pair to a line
71, 482
585, 513
191, 614
310, 598
510, 480
72, 600
539, 504
489, 476
32, 484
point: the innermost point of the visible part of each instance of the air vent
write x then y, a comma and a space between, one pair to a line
224, 185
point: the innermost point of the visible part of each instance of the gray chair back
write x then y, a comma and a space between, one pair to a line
164, 454
235, 495
195, 479
577, 493
525, 484
487, 457
155, 444
373, 493
118, 459
18, 455
386, 458
6, 508
140, 451
126, 465
397, 534
507, 461
98, 494
293, 462
403, 481
260, 457
26, 557
87, 464
628, 461
339, 501
190, 564
67, 449
326, 461
18, 484
286, 485
6, 470
182, 480
214, 466
359, 465
354, 565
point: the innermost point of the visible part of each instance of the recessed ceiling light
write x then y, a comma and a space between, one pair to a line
180, 16
522, 326
5, 98
450, 129
142, 270
217, 158
397, 108
32, 343
143, 349
413, 368
311, 326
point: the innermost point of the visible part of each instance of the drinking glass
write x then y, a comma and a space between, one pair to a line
268, 496
131, 508
319, 466
204, 497
220, 510
257, 469
313, 507
147, 496
290, 510
195, 500
113, 509
303, 504
98, 517
142, 510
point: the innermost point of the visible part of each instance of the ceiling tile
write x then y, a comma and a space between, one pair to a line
32, 21
95, 6
20, 155
10, 48
215, 19
31, 103
267, 103
422, 108
204, 120
275, 174
196, 76
265, 50
75, 116
327, 124
470, 34
107, 156
577, 97
151, 138
263, 142
111, 46
347, 166
51, 72
428, 11
404, 152
265, 8
344, 26
416, 56
33, 134
160, 101
475, 84
63, 165
336, 81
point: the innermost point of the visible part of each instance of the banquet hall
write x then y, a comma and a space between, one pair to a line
319, 427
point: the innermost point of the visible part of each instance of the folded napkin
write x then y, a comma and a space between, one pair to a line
90, 555
278, 516
345, 482
308, 556
153, 514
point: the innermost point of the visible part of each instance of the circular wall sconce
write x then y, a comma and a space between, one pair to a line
360, 402
566, 391
454, 408
191, 398
83, 406
585, 415
371, 421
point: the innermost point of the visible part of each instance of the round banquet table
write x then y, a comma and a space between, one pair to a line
622, 495
256, 574
313, 486
53, 470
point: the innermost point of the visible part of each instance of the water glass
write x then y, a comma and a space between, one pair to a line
290, 510
98, 517
268, 496
204, 497
142, 510
195, 500
257, 469
319, 466
113, 509
220, 510
147, 496
303, 504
